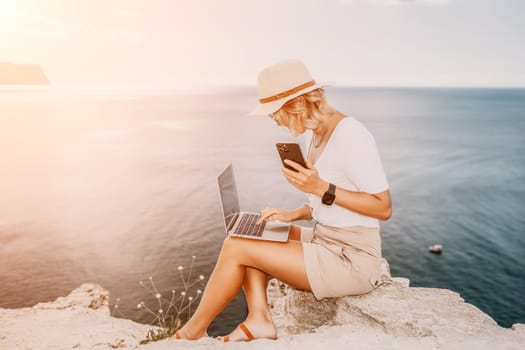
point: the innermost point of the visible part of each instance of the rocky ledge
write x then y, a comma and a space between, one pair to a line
394, 316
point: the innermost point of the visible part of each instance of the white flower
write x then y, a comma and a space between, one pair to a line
173, 291
183, 293
150, 277
199, 291
139, 306
180, 268
141, 283
201, 277
118, 299
116, 306
190, 298
157, 295
160, 311
193, 257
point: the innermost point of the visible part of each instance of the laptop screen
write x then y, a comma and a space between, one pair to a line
228, 193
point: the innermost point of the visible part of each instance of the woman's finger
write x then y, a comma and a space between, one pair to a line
294, 165
302, 174
266, 214
293, 174
309, 165
293, 180
263, 219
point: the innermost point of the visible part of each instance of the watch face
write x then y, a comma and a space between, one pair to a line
328, 198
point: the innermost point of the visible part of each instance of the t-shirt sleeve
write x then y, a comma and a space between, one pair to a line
362, 164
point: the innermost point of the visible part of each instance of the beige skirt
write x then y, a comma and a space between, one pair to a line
342, 261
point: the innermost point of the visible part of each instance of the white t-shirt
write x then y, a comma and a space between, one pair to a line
350, 160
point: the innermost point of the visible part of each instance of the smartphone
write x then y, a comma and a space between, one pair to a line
291, 151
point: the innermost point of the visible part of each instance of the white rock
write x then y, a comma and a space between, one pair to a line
392, 317
80, 320
437, 317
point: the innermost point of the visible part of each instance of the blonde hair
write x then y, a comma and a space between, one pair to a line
303, 112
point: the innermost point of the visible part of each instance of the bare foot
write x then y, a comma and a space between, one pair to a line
187, 335
258, 327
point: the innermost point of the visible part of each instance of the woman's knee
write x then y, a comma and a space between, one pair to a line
238, 249
230, 245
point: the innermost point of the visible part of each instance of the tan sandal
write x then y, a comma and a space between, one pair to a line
246, 331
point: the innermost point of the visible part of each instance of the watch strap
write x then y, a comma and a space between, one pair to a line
329, 196
331, 189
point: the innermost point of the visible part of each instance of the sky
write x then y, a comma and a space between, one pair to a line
200, 43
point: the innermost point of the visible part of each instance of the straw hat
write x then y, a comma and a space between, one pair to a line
281, 82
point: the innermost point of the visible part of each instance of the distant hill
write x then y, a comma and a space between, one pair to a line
22, 74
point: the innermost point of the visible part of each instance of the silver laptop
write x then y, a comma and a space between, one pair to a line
243, 224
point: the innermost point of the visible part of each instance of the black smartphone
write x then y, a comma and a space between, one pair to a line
290, 151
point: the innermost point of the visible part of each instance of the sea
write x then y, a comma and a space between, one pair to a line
119, 187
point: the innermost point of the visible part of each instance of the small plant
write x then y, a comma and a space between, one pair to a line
168, 313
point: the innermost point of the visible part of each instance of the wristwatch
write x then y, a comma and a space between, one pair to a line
329, 196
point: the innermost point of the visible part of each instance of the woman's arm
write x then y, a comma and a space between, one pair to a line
377, 205
276, 214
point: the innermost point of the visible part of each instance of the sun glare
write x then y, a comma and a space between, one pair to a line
7, 8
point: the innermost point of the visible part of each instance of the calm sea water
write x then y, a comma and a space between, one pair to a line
115, 188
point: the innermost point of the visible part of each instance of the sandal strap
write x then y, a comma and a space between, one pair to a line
226, 338
246, 331
177, 335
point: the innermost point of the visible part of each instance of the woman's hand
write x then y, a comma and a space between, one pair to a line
276, 214
305, 179
376, 205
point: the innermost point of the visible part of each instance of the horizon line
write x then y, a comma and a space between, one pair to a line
5, 88
163, 87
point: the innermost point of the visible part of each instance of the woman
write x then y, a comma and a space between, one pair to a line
347, 191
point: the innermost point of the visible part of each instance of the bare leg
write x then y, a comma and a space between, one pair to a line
281, 260
259, 321
254, 286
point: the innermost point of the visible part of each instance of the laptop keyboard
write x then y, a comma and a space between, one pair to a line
248, 227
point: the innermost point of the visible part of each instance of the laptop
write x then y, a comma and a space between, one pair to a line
243, 224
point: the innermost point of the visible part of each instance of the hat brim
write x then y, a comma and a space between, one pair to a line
271, 107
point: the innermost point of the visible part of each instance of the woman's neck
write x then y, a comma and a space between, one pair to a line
322, 133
